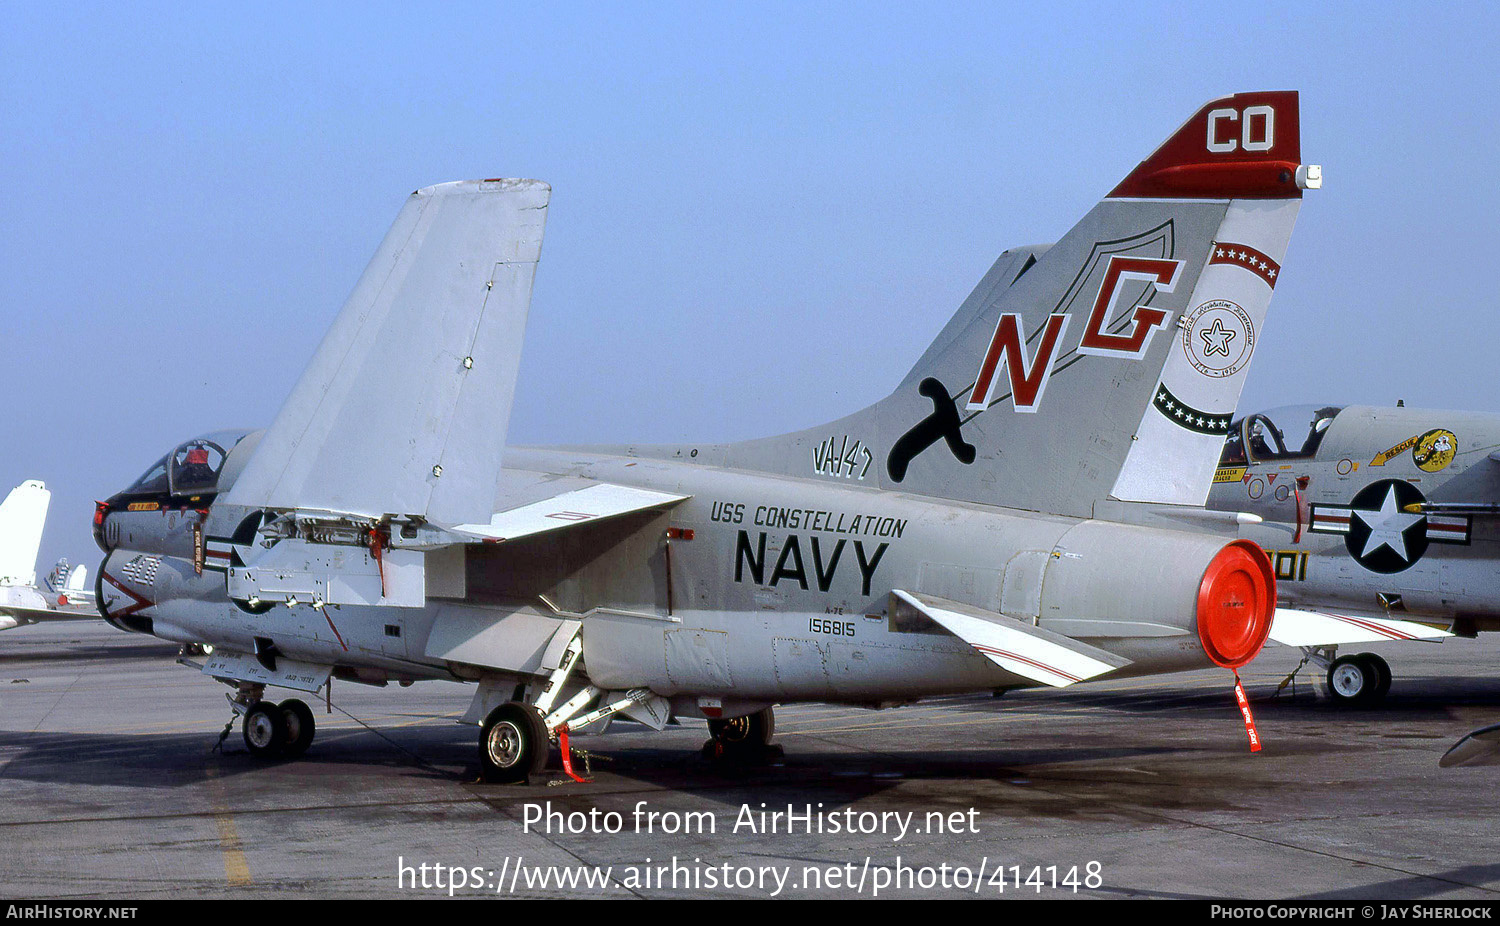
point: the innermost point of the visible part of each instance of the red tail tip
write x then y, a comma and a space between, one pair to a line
1246, 146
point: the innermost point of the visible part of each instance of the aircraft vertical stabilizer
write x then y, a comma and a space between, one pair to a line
404, 407
22, 516
1107, 365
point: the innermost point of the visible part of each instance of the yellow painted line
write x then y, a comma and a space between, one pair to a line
236, 868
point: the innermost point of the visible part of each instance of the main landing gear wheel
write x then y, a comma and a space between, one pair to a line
300, 727
512, 744
1384, 670
1358, 681
264, 729
744, 737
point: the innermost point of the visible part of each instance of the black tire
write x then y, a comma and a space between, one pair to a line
300, 727
264, 730
512, 744
1353, 681
1382, 673
745, 735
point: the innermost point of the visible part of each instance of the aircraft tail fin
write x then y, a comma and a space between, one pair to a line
78, 581
1104, 366
404, 408
23, 514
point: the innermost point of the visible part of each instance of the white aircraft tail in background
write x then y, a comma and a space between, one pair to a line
22, 516
70, 584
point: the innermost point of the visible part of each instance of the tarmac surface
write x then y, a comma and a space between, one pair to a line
109, 788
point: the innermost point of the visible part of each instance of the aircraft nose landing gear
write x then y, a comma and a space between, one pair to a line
273, 730
264, 730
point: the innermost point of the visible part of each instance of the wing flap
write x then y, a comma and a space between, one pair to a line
1015, 646
601, 500
1298, 627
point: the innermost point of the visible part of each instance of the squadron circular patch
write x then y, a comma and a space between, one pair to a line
1434, 450
1218, 338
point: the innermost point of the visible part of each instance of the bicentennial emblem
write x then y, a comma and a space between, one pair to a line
1218, 338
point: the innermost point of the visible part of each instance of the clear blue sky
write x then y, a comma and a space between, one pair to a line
761, 213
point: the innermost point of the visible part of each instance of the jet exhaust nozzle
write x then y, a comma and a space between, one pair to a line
1236, 601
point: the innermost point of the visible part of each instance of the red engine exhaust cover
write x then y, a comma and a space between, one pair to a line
1236, 602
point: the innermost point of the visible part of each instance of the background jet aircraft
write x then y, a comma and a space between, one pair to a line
967, 533
1381, 524
23, 514
70, 585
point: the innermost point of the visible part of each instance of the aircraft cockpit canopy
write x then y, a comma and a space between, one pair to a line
191, 468
1292, 432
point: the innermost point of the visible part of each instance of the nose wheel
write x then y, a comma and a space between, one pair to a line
264, 730
282, 730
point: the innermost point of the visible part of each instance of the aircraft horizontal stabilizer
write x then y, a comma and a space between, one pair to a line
1296, 627
1015, 646
405, 406
601, 500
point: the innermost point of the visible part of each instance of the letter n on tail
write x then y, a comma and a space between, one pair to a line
1028, 375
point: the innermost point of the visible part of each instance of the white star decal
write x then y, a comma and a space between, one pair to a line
1387, 526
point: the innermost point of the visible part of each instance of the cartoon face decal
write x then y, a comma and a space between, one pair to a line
1434, 450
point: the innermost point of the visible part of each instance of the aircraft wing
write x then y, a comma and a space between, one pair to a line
1475, 492
1299, 627
1016, 646
594, 501
20, 615
404, 409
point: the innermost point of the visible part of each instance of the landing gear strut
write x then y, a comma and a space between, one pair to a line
516, 737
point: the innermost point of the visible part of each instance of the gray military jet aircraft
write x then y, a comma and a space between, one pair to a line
970, 532
1380, 524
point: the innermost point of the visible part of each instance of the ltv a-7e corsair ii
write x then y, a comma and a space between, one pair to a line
1381, 524
974, 531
